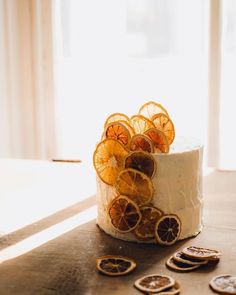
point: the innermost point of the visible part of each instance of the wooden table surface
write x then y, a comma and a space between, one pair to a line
56, 255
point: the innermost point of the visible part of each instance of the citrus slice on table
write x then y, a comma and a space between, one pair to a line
108, 160
141, 161
141, 142
114, 265
152, 108
174, 290
124, 214
224, 284
181, 257
201, 252
180, 266
154, 283
167, 229
164, 123
118, 131
140, 124
146, 227
158, 139
116, 117
136, 185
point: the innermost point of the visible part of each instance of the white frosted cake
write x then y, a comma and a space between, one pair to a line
149, 183
177, 189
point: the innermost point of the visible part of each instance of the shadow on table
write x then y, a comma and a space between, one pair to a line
41, 225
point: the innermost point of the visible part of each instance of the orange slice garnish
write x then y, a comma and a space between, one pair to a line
146, 228
164, 123
136, 185
140, 124
124, 214
116, 117
141, 142
108, 160
118, 131
152, 108
167, 229
159, 140
114, 265
141, 161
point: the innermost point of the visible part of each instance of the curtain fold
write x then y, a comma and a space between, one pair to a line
27, 85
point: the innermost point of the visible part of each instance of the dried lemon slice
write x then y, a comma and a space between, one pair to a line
124, 214
116, 117
141, 142
141, 124
118, 131
152, 108
141, 161
154, 283
108, 160
159, 140
136, 185
114, 265
167, 229
146, 227
164, 123
224, 284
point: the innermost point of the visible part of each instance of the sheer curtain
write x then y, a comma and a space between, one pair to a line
26, 81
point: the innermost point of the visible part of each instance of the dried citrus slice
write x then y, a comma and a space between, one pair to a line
113, 265
146, 227
136, 185
141, 161
224, 284
164, 123
124, 214
152, 108
200, 252
180, 266
116, 117
141, 142
118, 131
174, 290
108, 160
181, 257
159, 139
141, 124
154, 283
167, 229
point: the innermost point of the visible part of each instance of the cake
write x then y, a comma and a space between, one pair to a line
149, 183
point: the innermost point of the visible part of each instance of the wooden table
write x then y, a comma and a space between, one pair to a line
56, 255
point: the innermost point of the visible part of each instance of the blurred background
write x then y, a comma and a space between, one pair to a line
65, 65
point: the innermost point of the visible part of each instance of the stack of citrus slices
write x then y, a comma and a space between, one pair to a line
124, 159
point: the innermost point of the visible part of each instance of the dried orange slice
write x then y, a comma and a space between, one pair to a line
152, 108
114, 265
167, 229
124, 214
174, 290
181, 257
108, 160
116, 117
154, 283
164, 123
200, 252
136, 185
141, 142
146, 228
224, 284
141, 124
118, 131
180, 266
159, 140
141, 161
